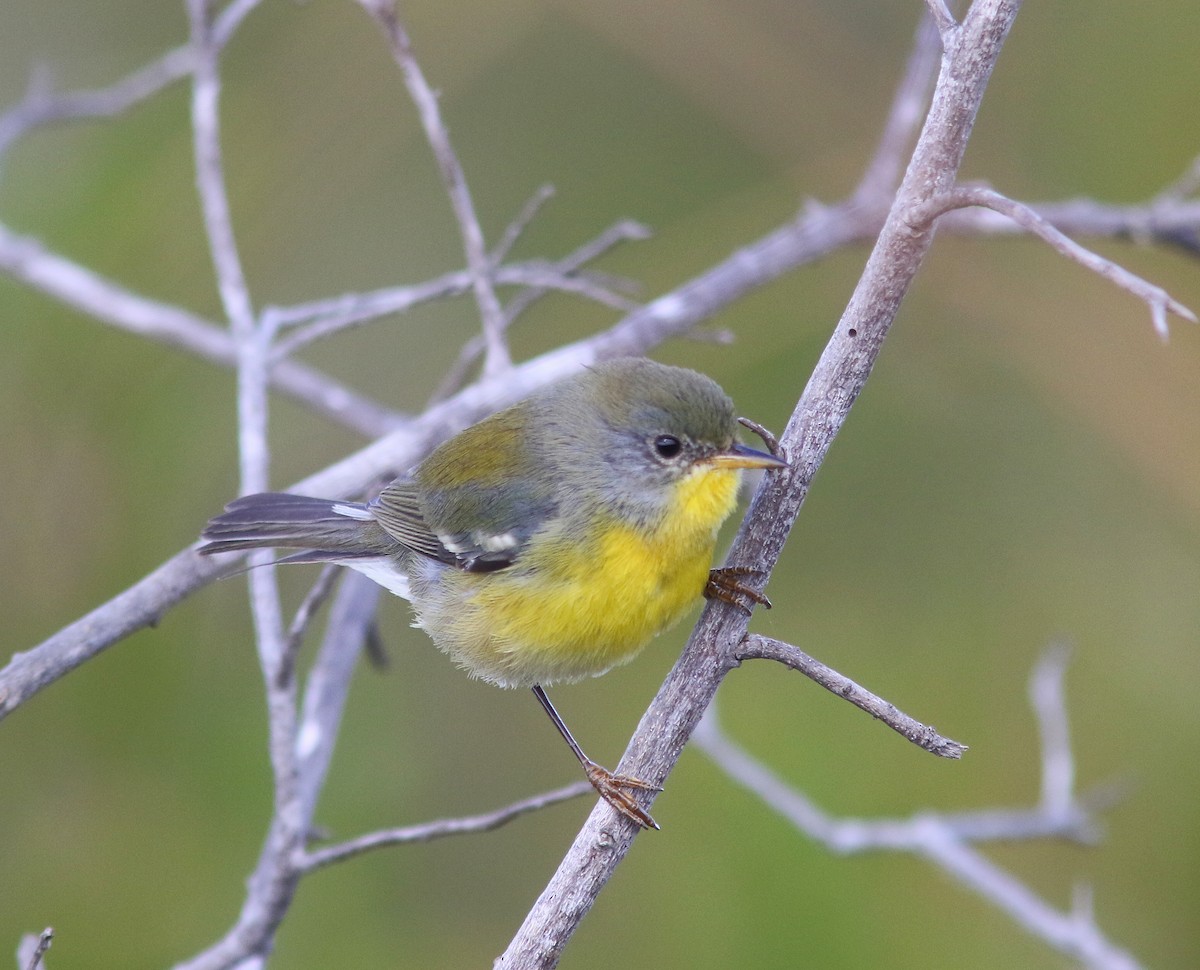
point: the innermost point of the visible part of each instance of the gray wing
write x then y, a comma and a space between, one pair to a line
398, 511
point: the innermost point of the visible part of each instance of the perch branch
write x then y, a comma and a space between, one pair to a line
839, 376
512, 232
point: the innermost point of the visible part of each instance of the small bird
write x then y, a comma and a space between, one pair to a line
549, 542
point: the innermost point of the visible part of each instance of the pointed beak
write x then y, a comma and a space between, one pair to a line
741, 456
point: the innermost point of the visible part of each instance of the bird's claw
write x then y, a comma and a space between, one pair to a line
617, 791
725, 584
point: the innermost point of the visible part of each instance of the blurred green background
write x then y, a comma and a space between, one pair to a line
1022, 466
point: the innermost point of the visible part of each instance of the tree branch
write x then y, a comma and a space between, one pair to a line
41, 106
478, 263
755, 647
487, 822
27, 260
945, 840
32, 949
1158, 299
836, 382
324, 318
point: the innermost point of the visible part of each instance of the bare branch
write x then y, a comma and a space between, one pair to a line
1048, 699
1173, 223
32, 948
27, 260
839, 377
231, 280
273, 883
1158, 299
756, 647
942, 16
442, 827
1073, 933
351, 618
513, 230
41, 106
943, 840
313, 600
324, 318
909, 104
478, 263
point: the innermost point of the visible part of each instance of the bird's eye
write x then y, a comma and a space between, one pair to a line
667, 446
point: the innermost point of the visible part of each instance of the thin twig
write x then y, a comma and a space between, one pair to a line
623, 231
942, 16
943, 840
909, 104
313, 600
32, 949
756, 647
322, 319
514, 229
273, 882
1156, 298
351, 620
41, 106
1047, 697
478, 264
1175, 224
28, 260
441, 828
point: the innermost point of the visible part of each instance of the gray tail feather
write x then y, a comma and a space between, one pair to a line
296, 522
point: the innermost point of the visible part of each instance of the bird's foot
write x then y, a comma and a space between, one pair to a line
725, 584
618, 790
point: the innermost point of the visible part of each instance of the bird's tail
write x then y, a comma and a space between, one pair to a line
328, 530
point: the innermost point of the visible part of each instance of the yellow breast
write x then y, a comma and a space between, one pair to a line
577, 605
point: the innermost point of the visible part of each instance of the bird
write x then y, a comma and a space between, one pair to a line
549, 542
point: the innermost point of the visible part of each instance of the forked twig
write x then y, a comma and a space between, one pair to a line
1159, 300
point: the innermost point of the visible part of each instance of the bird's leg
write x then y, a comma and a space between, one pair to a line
725, 584
614, 789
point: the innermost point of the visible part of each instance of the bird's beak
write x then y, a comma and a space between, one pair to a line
741, 456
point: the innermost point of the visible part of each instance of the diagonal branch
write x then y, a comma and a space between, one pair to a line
1158, 299
321, 319
756, 647
836, 382
27, 260
478, 262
